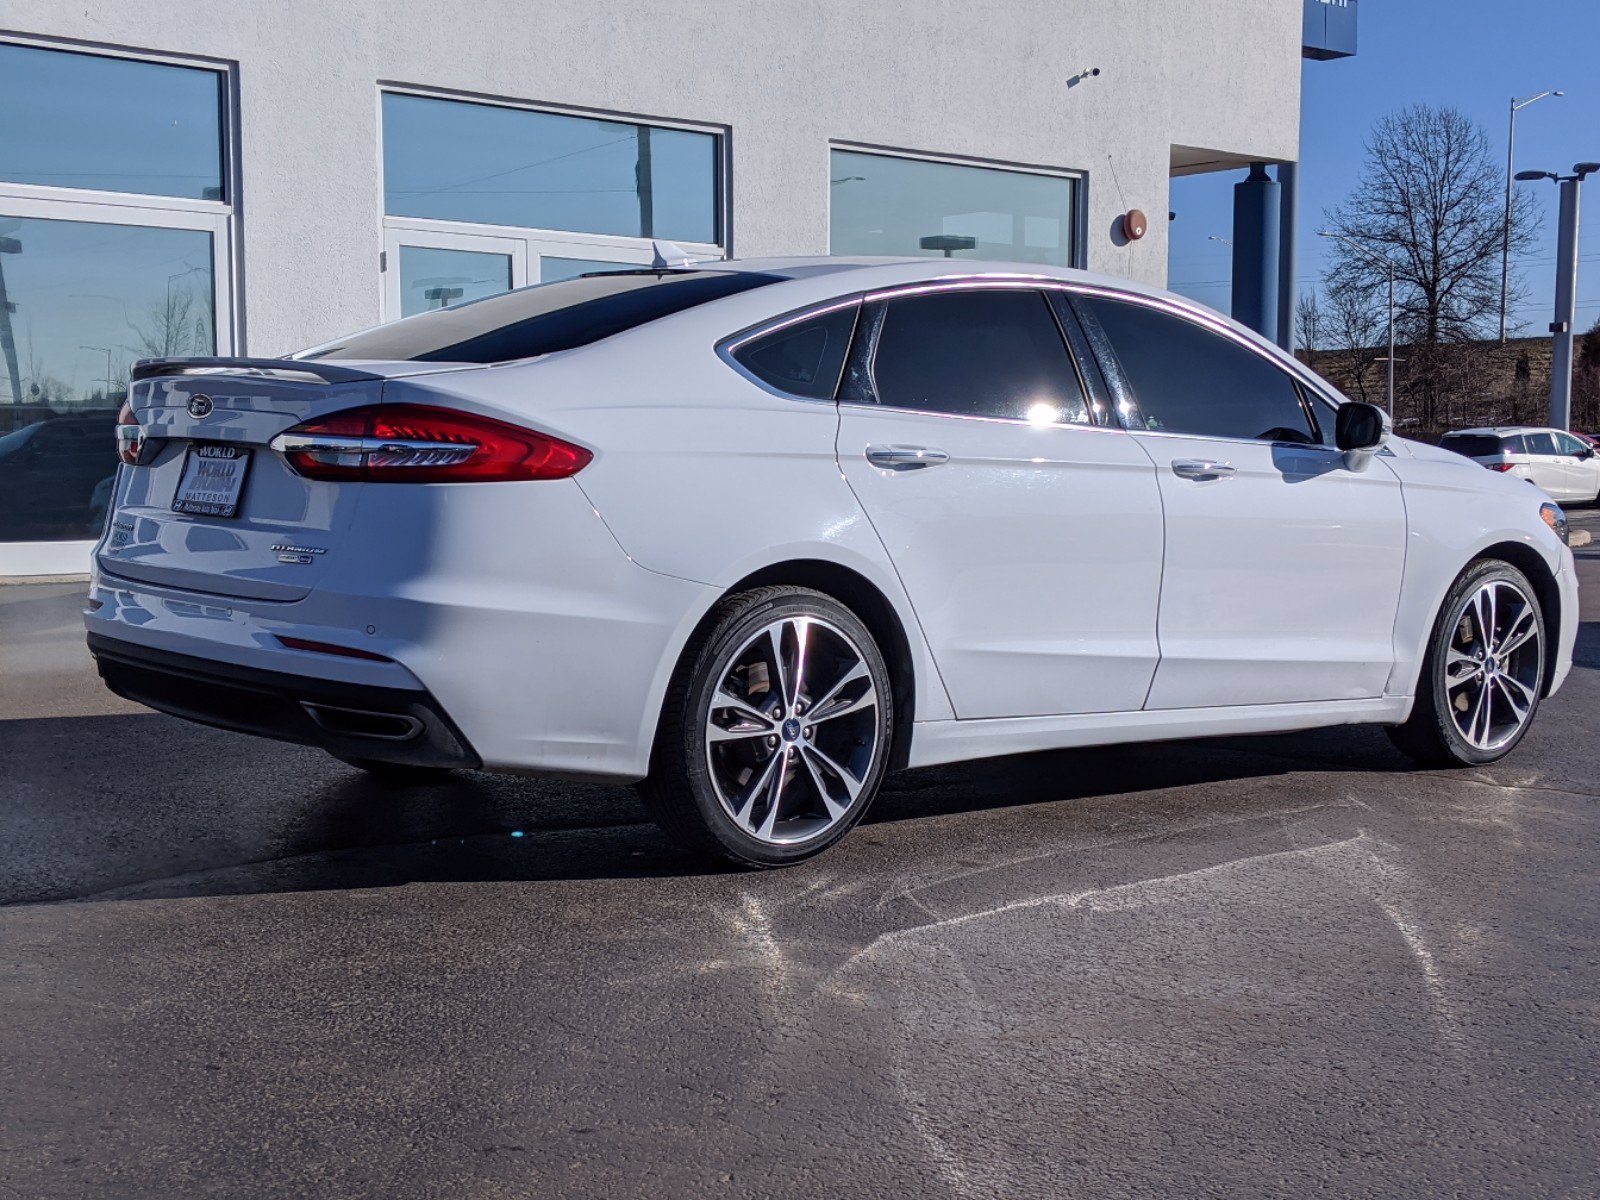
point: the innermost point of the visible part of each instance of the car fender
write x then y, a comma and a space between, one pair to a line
1455, 512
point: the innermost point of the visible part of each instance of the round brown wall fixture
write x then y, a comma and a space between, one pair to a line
1134, 224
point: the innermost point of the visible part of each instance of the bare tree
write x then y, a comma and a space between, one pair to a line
1586, 382
170, 326
1431, 200
1355, 321
1308, 323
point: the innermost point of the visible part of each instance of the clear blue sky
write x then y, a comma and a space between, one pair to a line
1470, 54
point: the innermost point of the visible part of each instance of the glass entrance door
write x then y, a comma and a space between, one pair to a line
85, 292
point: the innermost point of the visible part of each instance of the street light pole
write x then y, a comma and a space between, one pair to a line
1388, 265
1505, 249
1562, 329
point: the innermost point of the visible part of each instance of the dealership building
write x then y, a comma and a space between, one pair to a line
252, 178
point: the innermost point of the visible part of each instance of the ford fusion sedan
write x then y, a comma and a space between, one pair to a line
753, 534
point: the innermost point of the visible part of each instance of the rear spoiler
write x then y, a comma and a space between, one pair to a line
292, 369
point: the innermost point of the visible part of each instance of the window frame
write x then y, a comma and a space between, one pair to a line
537, 242
1077, 219
1123, 398
219, 218
875, 309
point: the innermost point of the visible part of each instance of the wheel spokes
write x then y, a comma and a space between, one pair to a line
763, 730
751, 722
1460, 668
1518, 632
1488, 696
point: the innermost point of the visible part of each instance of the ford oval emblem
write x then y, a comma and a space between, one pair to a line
199, 406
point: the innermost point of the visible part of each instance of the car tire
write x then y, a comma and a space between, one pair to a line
1477, 696
395, 774
775, 732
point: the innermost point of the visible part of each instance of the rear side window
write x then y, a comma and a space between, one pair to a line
542, 319
1538, 443
1188, 379
1475, 445
805, 358
983, 353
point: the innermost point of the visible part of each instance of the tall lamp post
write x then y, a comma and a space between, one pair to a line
1387, 264
1505, 249
1561, 329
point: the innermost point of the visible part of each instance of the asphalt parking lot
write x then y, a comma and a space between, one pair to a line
1272, 966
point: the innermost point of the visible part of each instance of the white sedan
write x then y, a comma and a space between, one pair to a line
755, 533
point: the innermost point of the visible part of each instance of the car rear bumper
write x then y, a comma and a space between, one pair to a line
398, 725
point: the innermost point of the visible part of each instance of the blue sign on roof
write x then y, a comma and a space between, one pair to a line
1329, 29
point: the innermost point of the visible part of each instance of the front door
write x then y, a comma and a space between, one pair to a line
1283, 566
1027, 535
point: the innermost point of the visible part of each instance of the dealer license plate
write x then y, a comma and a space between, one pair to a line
212, 480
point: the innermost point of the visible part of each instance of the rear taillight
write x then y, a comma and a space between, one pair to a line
130, 437
416, 443
1499, 466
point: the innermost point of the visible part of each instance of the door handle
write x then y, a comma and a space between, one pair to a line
1201, 468
905, 458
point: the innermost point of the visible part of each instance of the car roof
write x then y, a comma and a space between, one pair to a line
1498, 430
909, 268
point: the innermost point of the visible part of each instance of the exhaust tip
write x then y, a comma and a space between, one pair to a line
361, 723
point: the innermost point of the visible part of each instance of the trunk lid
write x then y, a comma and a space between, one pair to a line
276, 543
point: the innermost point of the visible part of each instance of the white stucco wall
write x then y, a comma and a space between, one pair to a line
980, 78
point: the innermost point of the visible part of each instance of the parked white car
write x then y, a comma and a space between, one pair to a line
755, 533
1563, 465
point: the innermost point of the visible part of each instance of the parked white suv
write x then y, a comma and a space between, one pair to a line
1564, 466
755, 533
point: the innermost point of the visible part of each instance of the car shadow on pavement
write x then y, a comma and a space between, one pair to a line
143, 806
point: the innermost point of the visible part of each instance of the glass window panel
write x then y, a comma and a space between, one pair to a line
543, 319
454, 161
1538, 443
89, 299
803, 359
553, 269
1187, 379
881, 204
431, 277
111, 124
981, 353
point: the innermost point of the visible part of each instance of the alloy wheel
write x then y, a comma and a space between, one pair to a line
1492, 665
793, 730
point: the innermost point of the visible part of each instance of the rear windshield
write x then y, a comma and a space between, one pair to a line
541, 319
1473, 445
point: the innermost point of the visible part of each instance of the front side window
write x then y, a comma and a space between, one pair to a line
541, 320
993, 352
805, 358
887, 204
1187, 379
1569, 445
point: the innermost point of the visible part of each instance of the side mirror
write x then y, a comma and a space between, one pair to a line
1586, 453
1361, 426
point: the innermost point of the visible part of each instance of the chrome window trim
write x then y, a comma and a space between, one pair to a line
1296, 371
734, 341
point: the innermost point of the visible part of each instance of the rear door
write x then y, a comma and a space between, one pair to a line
1283, 567
1546, 467
1026, 529
275, 543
